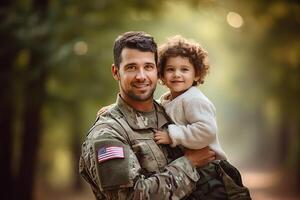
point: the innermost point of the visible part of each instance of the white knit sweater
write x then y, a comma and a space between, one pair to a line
195, 121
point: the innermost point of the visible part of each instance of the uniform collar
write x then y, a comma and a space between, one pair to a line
140, 120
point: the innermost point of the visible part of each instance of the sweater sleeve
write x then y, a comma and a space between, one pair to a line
201, 129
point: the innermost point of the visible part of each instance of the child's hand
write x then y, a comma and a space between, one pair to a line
162, 137
103, 110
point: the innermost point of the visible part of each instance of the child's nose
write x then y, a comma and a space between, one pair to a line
176, 73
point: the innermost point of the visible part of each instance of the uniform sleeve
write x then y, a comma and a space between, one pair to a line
177, 181
201, 129
123, 178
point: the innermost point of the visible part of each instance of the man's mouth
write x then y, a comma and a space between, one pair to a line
140, 85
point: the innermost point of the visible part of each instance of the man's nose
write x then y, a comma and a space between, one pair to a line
141, 74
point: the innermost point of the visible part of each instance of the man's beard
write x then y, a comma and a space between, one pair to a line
142, 97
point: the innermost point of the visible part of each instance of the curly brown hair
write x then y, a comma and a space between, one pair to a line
179, 46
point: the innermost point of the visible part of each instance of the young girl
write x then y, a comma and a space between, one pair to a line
182, 66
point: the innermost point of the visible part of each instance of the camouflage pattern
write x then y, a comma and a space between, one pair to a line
220, 181
148, 171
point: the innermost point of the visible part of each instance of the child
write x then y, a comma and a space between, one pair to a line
182, 66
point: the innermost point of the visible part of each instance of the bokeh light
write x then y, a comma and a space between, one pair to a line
234, 19
80, 48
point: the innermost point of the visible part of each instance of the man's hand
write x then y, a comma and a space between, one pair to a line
162, 137
200, 157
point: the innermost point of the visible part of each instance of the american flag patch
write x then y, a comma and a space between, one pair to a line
112, 152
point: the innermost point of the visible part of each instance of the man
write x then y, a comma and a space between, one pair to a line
120, 159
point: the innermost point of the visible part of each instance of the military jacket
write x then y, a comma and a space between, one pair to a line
137, 167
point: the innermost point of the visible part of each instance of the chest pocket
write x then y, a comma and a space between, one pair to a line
152, 158
149, 154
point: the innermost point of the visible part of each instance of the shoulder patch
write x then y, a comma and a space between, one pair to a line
112, 161
110, 152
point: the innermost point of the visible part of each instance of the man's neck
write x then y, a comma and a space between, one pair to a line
142, 106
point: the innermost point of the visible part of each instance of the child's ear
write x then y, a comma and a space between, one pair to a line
197, 78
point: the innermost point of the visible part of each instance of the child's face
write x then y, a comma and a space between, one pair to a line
179, 75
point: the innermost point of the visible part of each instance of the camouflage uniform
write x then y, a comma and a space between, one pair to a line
148, 170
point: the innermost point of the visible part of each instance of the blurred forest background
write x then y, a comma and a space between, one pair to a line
55, 74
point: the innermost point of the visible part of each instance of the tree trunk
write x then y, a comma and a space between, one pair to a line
33, 102
8, 52
6, 120
34, 98
283, 142
76, 143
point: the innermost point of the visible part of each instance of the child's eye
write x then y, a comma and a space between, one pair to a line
185, 69
169, 69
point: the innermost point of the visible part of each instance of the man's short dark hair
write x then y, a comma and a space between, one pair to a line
134, 40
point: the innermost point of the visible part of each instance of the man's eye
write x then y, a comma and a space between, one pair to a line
130, 68
149, 67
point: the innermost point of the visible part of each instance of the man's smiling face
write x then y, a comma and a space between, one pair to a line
137, 75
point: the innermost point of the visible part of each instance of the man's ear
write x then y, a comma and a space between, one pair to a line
115, 72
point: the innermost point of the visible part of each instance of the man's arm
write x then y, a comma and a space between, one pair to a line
123, 178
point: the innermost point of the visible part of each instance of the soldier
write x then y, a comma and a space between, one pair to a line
120, 159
